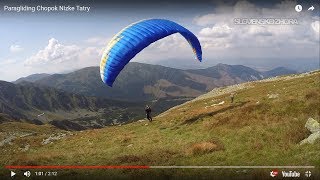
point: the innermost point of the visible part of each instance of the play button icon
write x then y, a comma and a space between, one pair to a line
12, 173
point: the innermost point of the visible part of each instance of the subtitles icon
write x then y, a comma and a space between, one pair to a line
274, 173
298, 8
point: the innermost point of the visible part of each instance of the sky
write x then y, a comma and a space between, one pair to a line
59, 42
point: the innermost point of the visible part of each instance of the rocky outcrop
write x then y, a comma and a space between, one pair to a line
273, 96
314, 127
53, 137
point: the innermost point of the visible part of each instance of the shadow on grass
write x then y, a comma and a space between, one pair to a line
212, 113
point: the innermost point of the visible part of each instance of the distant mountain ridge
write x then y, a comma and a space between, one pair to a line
278, 72
31, 78
145, 82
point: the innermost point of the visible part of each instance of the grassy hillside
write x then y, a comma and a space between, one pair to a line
262, 127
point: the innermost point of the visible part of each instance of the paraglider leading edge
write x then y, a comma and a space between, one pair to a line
134, 38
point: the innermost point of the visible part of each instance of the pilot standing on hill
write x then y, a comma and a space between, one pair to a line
232, 97
148, 113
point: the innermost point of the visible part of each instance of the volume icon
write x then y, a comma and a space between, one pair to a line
27, 173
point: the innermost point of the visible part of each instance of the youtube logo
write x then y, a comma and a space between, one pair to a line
274, 173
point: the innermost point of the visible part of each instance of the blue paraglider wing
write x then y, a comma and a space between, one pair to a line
134, 38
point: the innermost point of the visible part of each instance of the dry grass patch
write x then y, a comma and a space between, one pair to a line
296, 132
33, 160
204, 148
257, 146
129, 159
125, 138
214, 122
311, 95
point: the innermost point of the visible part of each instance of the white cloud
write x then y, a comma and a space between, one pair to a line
217, 31
259, 31
245, 9
57, 57
53, 53
15, 48
222, 39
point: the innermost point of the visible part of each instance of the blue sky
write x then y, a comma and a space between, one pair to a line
55, 43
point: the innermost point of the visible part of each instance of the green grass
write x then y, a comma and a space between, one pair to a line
255, 130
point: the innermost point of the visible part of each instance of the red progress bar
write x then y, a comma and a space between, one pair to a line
77, 167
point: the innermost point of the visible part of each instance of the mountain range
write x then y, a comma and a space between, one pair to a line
79, 100
146, 82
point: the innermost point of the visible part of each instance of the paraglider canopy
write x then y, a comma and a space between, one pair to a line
134, 38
